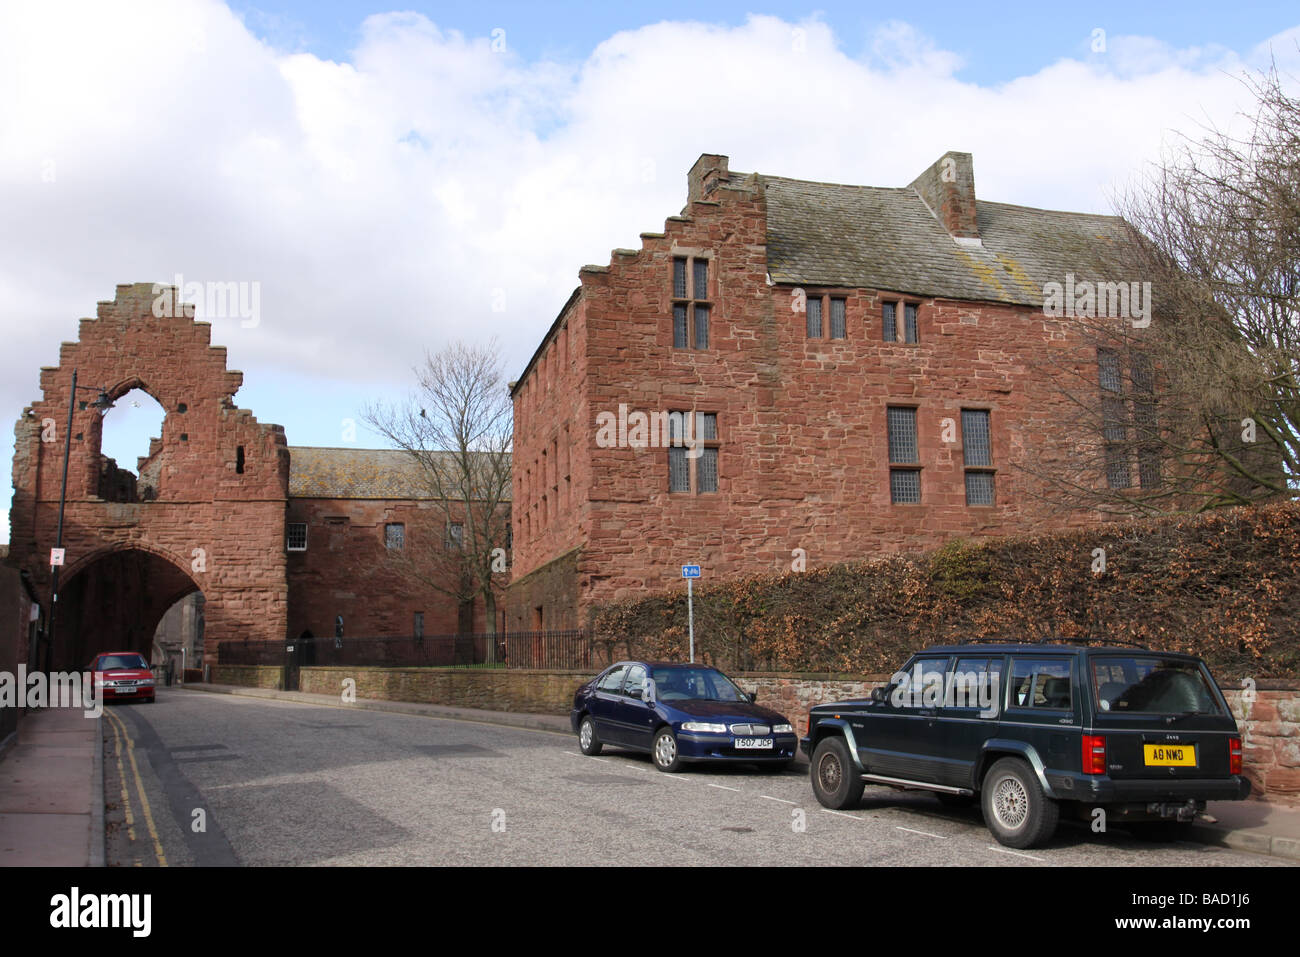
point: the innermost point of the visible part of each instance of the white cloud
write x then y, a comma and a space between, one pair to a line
383, 203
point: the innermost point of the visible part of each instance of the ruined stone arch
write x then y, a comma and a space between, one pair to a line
221, 476
114, 599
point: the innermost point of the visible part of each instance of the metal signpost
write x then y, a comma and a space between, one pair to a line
690, 573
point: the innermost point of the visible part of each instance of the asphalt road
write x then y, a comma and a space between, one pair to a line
220, 780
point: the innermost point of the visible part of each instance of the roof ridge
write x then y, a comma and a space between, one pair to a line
815, 182
1044, 209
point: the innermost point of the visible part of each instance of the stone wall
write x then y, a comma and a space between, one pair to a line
347, 570
247, 676
15, 607
490, 689
1270, 724
547, 599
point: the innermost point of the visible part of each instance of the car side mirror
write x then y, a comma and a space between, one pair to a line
752, 696
879, 694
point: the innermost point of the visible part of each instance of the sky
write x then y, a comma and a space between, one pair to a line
380, 183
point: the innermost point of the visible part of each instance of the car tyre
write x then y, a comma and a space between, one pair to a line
1015, 807
664, 751
835, 780
588, 741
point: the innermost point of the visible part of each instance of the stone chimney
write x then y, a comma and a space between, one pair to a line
709, 170
948, 188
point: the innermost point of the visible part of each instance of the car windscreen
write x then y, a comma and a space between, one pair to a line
682, 684
112, 662
1151, 685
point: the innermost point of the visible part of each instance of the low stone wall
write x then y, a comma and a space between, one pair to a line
795, 695
491, 689
1270, 737
249, 676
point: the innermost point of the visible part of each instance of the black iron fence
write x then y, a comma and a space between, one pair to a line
527, 649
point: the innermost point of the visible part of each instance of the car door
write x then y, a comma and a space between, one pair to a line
1044, 706
635, 718
604, 702
901, 735
969, 716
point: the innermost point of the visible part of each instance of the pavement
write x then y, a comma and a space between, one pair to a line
52, 784
52, 791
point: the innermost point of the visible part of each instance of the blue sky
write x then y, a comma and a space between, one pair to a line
394, 181
997, 41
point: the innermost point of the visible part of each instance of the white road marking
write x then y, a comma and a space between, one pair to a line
1003, 850
768, 797
851, 817
913, 831
723, 787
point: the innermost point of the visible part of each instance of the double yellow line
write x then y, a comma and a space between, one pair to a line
117, 725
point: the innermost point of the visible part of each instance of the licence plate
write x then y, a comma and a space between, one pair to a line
753, 744
1164, 755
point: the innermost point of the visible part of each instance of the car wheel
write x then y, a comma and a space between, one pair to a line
587, 739
835, 780
1015, 808
664, 750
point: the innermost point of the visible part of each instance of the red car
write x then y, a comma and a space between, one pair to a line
123, 676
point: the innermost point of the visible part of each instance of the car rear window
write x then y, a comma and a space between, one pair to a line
1150, 684
109, 662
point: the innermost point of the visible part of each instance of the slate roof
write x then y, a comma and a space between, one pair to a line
881, 238
355, 473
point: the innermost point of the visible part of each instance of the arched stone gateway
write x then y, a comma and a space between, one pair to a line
115, 600
207, 511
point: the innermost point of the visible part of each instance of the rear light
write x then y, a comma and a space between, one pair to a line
1234, 755
1094, 754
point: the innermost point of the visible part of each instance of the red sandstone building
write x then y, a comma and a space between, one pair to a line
867, 368
280, 541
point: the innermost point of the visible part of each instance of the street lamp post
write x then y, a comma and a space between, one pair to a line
103, 403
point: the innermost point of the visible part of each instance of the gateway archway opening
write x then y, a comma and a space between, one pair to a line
115, 602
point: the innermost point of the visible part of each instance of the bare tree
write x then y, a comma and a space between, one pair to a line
1200, 408
458, 428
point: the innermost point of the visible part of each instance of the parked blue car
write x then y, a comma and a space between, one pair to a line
679, 713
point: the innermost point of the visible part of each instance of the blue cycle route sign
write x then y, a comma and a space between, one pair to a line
690, 571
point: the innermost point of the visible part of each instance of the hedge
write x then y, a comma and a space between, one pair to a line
1224, 585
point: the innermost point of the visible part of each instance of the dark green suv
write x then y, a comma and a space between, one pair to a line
1036, 730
